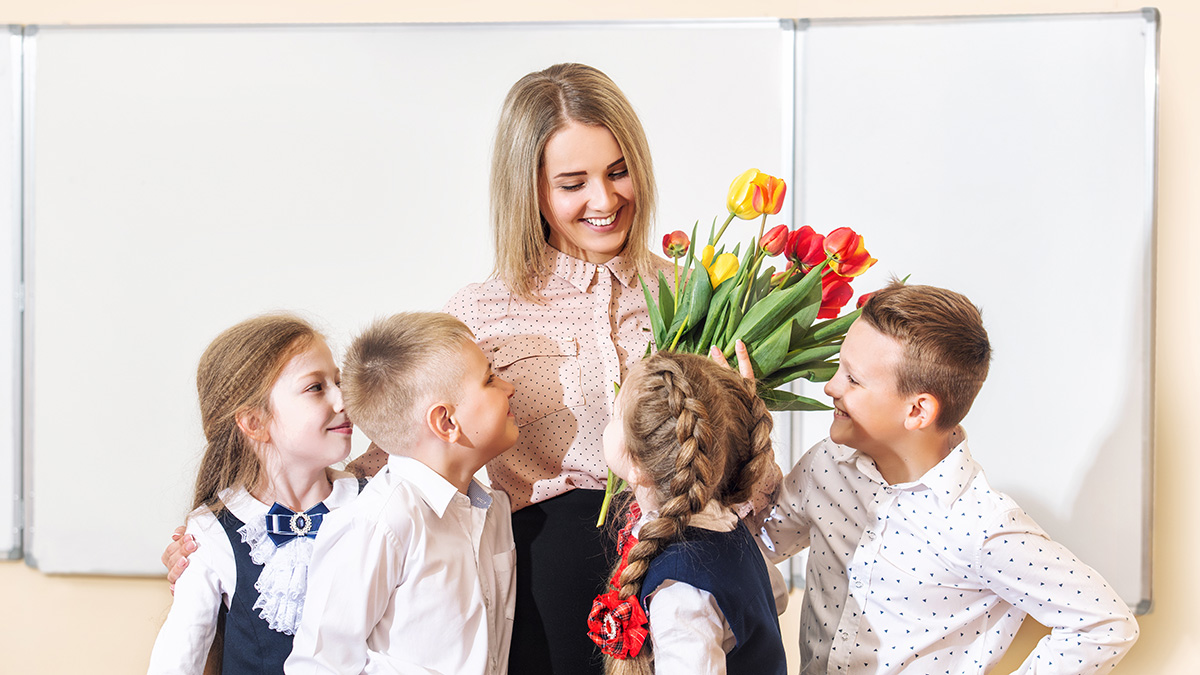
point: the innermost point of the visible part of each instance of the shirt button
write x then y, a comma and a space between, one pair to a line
888, 489
858, 584
870, 534
845, 635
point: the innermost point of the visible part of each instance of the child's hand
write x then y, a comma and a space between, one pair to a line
175, 557
743, 357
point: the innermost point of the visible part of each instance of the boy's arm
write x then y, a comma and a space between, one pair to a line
1092, 628
355, 567
785, 531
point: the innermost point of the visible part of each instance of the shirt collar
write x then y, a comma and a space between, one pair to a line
580, 273
245, 507
949, 478
435, 490
714, 517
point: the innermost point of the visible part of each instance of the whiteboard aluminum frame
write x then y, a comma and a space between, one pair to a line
28, 70
1153, 22
15, 43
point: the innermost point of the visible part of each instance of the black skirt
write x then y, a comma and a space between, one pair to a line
563, 563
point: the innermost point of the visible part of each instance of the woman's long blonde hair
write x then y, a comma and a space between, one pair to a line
536, 108
696, 431
235, 375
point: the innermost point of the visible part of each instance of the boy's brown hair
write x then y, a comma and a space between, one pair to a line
946, 349
395, 367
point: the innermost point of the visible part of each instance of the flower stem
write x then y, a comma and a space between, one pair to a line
682, 327
750, 280
722, 230
609, 493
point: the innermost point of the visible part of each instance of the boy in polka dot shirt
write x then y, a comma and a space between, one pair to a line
916, 564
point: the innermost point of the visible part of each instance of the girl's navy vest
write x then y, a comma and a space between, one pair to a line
251, 646
730, 567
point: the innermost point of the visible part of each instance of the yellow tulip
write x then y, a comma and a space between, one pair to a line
741, 195
725, 266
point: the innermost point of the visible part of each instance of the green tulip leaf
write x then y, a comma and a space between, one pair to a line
767, 356
656, 319
779, 399
826, 330
767, 315
804, 357
699, 298
821, 372
666, 300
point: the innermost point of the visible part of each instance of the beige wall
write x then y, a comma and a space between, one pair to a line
106, 625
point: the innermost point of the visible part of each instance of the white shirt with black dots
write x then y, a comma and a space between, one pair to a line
934, 576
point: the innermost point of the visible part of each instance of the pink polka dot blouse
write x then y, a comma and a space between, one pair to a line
563, 355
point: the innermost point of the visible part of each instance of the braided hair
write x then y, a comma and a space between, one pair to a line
696, 431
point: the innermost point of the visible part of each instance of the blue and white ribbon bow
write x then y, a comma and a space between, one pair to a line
284, 524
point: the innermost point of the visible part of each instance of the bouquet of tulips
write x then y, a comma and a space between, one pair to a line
788, 319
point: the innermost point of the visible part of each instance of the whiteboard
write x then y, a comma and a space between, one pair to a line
1012, 159
184, 178
10, 279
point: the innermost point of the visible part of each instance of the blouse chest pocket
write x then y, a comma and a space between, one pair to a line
546, 373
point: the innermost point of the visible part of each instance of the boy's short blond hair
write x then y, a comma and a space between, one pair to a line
946, 349
396, 367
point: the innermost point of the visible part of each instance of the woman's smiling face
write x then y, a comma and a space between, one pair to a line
585, 193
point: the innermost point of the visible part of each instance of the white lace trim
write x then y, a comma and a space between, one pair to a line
283, 583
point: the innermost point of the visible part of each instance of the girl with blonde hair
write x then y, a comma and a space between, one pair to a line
273, 420
691, 592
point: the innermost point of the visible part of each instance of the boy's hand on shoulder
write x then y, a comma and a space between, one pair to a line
175, 557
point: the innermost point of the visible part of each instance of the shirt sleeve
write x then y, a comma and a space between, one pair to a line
1091, 627
356, 565
687, 630
187, 634
785, 531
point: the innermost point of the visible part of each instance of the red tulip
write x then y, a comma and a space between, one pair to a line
835, 293
775, 240
805, 248
848, 254
862, 299
675, 245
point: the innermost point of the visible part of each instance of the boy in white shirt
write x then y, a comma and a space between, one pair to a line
417, 575
916, 563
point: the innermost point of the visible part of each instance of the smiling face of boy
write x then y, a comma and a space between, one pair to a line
869, 412
482, 410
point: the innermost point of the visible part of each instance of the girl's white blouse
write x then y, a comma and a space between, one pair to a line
211, 578
688, 631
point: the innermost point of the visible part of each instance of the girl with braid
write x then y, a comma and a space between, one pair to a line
691, 592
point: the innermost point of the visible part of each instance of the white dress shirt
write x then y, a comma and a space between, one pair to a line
688, 630
211, 578
936, 575
414, 577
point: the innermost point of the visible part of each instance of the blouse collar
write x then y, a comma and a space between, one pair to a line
581, 273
